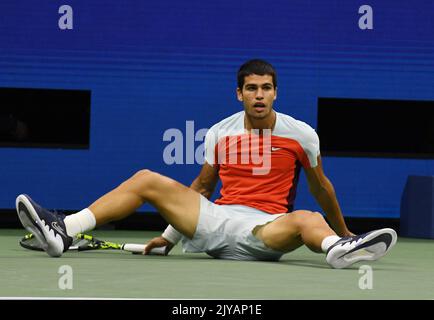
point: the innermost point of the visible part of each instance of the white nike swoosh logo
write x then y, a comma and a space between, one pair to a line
57, 228
275, 149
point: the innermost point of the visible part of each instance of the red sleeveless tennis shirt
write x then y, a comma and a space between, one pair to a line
261, 171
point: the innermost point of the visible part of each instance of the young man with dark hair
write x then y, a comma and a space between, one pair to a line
257, 154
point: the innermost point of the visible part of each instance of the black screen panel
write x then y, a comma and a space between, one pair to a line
44, 118
376, 128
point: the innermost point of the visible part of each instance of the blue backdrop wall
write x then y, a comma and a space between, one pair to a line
153, 65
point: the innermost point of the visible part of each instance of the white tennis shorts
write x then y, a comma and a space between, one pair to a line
225, 231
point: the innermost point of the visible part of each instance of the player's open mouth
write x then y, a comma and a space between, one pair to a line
259, 106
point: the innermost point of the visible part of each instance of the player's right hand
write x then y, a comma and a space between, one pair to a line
158, 242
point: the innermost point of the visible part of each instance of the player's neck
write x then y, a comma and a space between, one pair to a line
260, 124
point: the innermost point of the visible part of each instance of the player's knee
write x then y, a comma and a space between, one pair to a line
144, 173
302, 215
316, 215
142, 179
296, 219
315, 218
307, 218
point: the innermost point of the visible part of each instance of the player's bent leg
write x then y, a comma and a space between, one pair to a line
178, 204
303, 227
294, 229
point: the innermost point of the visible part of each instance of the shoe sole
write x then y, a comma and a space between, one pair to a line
338, 259
32, 223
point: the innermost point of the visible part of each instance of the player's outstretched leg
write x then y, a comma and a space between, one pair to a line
178, 204
48, 227
369, 246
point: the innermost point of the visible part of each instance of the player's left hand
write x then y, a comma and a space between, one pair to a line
158, 242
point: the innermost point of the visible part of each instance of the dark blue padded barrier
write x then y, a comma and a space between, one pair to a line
417, 208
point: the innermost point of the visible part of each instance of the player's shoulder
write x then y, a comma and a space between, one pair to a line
289, 126
233, 122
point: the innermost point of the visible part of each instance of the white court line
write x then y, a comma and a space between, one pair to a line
95, 298
68, 298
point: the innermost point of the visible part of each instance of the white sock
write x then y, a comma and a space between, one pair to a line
328, 242
79, 222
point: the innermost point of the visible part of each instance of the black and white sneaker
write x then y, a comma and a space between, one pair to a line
48, 227
365, 247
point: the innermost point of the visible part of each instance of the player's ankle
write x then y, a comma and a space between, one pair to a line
79, 222
328, 241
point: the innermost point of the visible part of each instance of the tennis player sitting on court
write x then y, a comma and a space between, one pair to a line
253, 219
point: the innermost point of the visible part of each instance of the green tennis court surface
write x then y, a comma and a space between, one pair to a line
407, 272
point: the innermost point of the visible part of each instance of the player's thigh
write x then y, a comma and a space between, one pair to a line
284, 233
177, 203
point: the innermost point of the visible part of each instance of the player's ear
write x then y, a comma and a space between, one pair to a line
239, 95
275, 94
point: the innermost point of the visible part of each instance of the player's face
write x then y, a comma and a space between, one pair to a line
257, 95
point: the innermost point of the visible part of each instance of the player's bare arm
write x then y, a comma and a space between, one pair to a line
324, 193
206, 181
